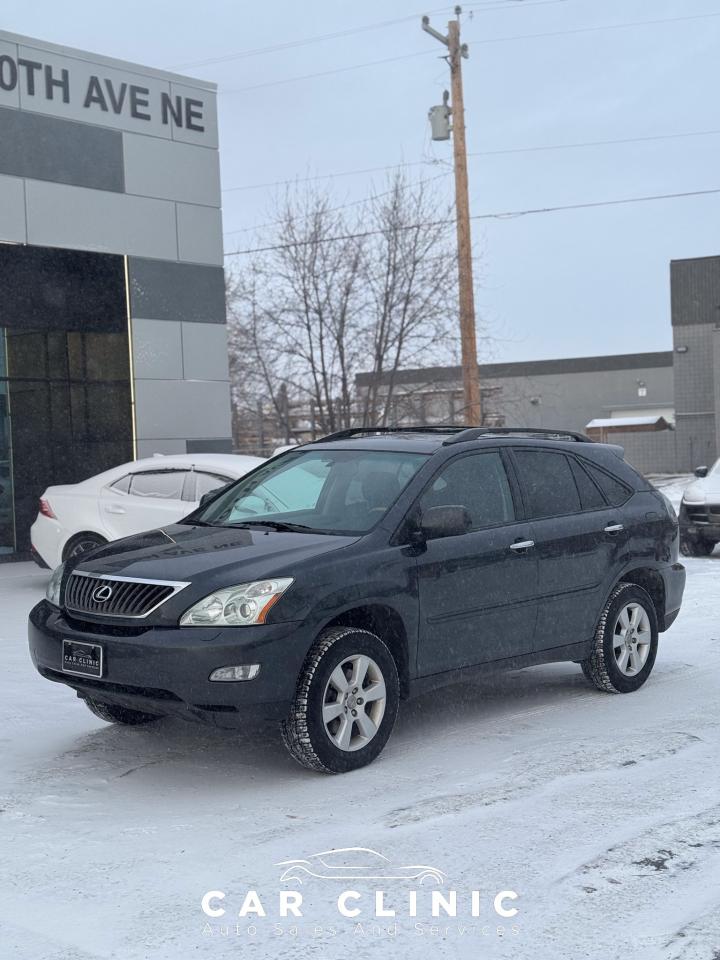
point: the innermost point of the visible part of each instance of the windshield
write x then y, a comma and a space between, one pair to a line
336, 491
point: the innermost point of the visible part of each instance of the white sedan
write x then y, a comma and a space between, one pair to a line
128, 499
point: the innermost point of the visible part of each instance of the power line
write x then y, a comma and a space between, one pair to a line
329, 176
352, 31
608, 26
510, 214
478, 153
342, 206
479, 41
325, 73
595, 143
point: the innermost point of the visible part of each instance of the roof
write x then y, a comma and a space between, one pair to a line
529, 368
619, 422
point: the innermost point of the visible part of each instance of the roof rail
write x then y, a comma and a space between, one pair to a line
477, 433
377, 431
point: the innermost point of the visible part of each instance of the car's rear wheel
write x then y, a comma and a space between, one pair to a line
82, 543
113, 713
345, 704
692, 547
625, 643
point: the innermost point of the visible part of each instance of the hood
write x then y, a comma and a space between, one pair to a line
219, 556
706, 488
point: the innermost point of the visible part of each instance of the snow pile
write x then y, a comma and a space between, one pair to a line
600, 811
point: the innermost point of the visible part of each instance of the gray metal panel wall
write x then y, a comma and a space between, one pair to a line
695, 291
695, 297
97, 154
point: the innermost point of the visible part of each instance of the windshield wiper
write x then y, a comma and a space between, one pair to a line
274, 525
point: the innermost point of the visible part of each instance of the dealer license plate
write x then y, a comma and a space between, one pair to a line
83, 659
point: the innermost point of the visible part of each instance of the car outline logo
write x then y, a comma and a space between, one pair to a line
102, 594
376, 867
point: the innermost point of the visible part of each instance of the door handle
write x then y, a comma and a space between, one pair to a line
614, 528
522, 544
112, 508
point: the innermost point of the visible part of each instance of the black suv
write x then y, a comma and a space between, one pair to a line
345, 575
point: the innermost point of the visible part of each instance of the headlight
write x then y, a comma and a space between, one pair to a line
52, 593
240, 606
693, 498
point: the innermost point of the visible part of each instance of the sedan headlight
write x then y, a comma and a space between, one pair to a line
240, 606
52, 593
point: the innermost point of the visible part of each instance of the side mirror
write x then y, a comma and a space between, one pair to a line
450, 521
701, 471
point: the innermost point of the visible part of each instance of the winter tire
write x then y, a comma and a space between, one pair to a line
345, 703
112, 713
696, 548
82, 543
625, 642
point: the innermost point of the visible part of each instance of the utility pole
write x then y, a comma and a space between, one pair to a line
468, 340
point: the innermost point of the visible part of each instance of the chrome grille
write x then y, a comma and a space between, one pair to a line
127, 597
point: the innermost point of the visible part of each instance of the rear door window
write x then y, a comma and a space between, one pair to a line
548, 483
158, 484
207, 483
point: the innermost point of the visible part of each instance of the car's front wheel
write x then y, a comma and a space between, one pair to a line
691, 547
113, 713
345, 703
625, 642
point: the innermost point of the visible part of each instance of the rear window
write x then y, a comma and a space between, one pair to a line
615, 491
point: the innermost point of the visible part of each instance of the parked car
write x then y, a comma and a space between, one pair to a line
700, 513
335, 580
128, 499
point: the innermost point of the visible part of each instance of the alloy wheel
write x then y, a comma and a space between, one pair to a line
354, 702
632, 639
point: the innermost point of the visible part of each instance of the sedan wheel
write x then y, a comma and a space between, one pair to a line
83, 543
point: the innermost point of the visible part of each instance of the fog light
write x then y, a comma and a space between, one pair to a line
247, 671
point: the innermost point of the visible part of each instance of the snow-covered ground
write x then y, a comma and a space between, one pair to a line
601, 812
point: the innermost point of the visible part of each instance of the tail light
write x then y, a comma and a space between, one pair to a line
46, 510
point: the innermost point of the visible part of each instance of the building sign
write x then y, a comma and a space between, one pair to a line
102, 94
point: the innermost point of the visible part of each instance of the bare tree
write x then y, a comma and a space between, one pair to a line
335, 294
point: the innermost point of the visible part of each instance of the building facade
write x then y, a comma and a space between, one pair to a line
112, 314
695, 299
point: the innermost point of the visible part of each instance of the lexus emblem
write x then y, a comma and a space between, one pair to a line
101, 594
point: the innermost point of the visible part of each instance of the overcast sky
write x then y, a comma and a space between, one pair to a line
559, 284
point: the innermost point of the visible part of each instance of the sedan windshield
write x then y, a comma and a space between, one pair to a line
336, 491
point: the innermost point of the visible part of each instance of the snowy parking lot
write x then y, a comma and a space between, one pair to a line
601, 812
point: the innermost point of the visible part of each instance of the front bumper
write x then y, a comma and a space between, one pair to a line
165, 670
700, 520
